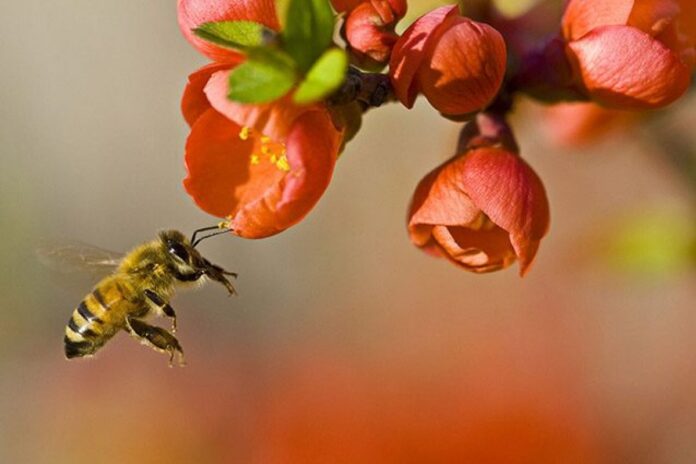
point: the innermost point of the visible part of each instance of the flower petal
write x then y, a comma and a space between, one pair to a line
312, 148
420, 230
668, 22
271, 119
193, 13
653, 16
465, 68
409, 53
395, 9
476, 250
439, 199
510, 193
194, 101
581, 16
217, 161
687, 20
443, 222
623, 67
370, 38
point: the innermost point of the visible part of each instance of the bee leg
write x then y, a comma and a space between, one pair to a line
218, 274
159, 302
157, 338
169, 311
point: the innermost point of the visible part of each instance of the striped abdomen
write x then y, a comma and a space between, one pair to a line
95, 320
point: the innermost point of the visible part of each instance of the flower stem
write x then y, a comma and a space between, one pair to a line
371, 90
487, 129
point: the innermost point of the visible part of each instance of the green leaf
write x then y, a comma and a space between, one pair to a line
327, 75
266, 75
232, 34
308, 31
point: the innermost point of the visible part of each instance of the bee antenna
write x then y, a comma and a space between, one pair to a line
200, 239
202, 229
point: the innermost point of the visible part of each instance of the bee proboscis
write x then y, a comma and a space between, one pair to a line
141, 285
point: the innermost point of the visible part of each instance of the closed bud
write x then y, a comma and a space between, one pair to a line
483, 209
628, 54
369, 31
457, 63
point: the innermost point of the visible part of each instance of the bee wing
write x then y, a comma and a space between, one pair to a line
73, 257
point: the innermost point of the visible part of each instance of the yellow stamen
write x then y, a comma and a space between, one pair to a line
282, 164
244, 133
265, 148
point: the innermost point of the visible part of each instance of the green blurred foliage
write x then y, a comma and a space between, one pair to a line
513, 8
656, 243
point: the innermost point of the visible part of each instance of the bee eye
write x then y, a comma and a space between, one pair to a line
179, 251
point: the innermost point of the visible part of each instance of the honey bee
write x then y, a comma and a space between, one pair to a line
141, 285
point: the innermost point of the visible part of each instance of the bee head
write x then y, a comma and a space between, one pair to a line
184, 260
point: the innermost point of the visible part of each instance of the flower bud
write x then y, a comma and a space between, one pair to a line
482, 209
628, 54
369, 31
457, 63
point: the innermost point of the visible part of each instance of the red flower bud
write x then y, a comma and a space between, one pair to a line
629, 54
369, 31
483, 209
457, 63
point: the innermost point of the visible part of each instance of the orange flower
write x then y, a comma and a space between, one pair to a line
369, 30
631, 54
483, 209
262, 166
457, 63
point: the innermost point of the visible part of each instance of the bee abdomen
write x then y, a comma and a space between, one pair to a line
87, 331
75, 349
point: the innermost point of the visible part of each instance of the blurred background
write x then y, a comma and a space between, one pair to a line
346, 344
